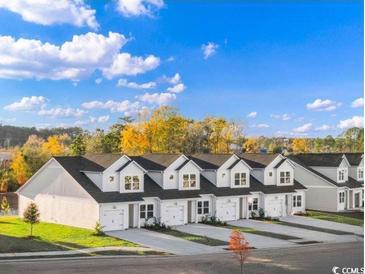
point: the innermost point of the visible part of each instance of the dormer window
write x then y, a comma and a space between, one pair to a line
111, 178
171, 177
360, 173
131, 183
240, 179
270, 173
342, 175
189, 181
285, 177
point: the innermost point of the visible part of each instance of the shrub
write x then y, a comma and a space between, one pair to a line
31, 216
212, 220
253, 214
156, 225
5, 207
98, 229
261, 213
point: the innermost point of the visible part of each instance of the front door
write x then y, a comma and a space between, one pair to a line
357, 200
131, 215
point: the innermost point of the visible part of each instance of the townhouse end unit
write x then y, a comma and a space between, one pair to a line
121, 191
334, 181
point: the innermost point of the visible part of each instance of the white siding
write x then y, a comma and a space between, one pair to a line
112, 171
322, 198
170, 175
240, 168
96, 178
223, 173
211, 175
271, 180
189, 168
284, 168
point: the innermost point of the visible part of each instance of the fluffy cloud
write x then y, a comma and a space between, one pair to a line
355, 121
92, 120
324, 128
126, 64
27, 103
252, 114
25, 58
48, 12
260, 126
134, 85
172, 80
158, 98
209, 49
177, 88
304, 128
323, 105
130, 8
126, 107
358, 103
284, 117
62, 112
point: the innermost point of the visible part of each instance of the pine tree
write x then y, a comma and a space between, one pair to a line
31, 216
5, 207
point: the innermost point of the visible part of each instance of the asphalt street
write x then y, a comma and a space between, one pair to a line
316, 259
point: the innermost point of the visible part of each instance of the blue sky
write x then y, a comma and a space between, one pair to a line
282, 69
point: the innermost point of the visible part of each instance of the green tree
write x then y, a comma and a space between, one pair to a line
31, 216
33, 153
5, 206
78, 145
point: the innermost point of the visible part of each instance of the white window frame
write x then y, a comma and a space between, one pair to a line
255, 202
341, 175
241, 179
360, 173
286, 176
296, 201
203, 206
132, 183
191, 181
341, 197
146, 211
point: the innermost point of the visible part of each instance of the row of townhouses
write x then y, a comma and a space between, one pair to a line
122, 192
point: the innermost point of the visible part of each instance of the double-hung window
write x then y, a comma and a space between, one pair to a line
360, 173
240, 179
189, 181
203, 207
254, 205
285, 177
297, 200
342, 175
131, 183
341, 197
146, 211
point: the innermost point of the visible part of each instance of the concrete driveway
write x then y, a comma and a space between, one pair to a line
323, 224
222, 234
164, 242
304, 234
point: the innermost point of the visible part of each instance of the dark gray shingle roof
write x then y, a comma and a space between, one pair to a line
258, 160
320, 159
354, 158
210, 161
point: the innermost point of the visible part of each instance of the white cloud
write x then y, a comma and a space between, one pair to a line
209, 49
260, 126
358, 103
304, 128
324, 128
27, 103
171, 59
103, 119
134, 85
126, 107
177, 88
62, 112
323, 105
252, 114
75, 59
129, 8
48, 12
126, 64
284, 117
98, 81
92, 120
172, 80
158, 98
355, 121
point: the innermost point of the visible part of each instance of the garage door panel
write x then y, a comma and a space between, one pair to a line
227, 211
113, 220
174, 215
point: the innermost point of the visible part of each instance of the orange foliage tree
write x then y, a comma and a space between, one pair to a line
239, 246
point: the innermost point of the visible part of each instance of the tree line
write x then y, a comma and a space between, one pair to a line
166, 131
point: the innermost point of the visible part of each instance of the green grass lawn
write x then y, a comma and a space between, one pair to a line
334, 218
49, 237
194, 238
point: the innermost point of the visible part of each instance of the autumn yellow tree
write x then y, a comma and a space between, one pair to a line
133, 139
251, 145
19, 167
56, 145
300, 145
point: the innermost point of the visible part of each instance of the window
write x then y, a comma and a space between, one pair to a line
189, 180
203, 207
285, 177
131, 183
171, 177
360, 173
146, 211
254, 205
341, 197
240, 179
270, 174
297, 200
342, 175
111, 178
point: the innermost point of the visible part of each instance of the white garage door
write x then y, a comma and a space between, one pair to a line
227, 211
174, 215
113, 220
274, 207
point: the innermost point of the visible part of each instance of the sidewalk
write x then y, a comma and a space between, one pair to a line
73, 252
